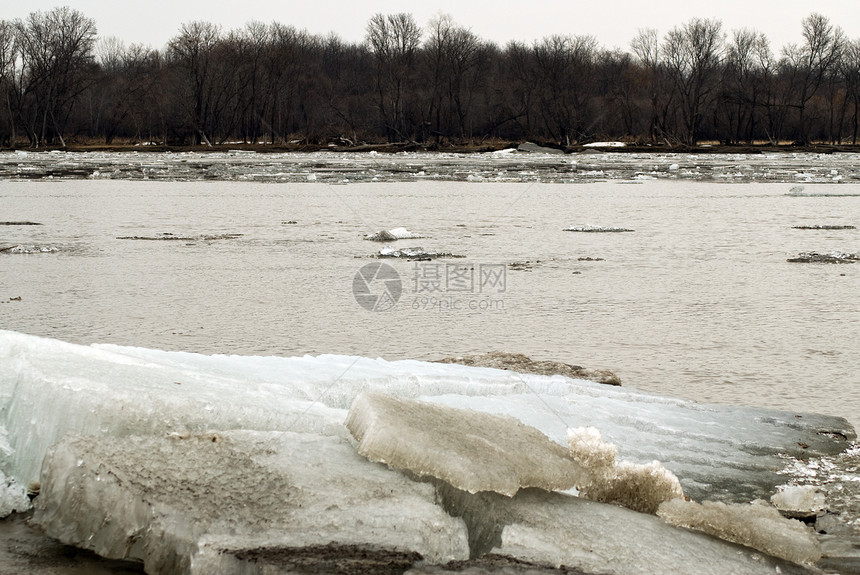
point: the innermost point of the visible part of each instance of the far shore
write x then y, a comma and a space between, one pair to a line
459, 148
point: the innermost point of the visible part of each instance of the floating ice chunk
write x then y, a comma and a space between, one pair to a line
674, 167
596, 229
392, 234
471, 451
800, 501
758, 526
640, 487
829, 258
416, 252
605, 145
824, 227
29, 249
193, 505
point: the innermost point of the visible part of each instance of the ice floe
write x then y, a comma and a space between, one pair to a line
168, 236
823, 227
414, 253
29, 249
826, 258
392, 235
596, 229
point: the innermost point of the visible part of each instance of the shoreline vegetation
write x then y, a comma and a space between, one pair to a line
427, 83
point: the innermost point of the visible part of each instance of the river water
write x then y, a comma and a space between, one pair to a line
697, 300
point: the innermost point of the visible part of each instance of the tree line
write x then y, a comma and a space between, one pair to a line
440, 84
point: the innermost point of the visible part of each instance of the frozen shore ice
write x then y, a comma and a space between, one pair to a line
51, 390
136, 411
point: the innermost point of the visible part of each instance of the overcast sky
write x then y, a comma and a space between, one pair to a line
613, 22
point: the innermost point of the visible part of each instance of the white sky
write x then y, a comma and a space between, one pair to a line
613, 22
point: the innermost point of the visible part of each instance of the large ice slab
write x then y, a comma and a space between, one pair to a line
472, 451
204, 503
50, 390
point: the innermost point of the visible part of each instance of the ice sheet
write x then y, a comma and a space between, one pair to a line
50, 390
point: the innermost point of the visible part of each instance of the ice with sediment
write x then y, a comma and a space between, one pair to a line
758, 526
470, 450
638, 486
50, 390
201, 503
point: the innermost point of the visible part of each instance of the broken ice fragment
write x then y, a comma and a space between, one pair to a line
800, 501
472, 451
758, 526
557, 529
199, 504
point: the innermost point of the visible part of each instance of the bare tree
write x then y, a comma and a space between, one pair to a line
655, 81
56, 52
693, 54
455, 56
742, 84
7, 74
565, 70
851, 73
810, 63
394, 41
192, 51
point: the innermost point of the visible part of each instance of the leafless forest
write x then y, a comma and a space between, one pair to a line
434, 85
